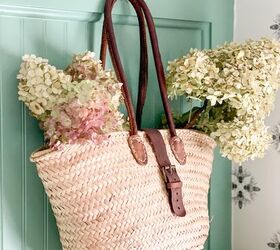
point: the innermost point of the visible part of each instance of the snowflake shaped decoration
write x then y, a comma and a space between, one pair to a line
275, 241
276, 27
244, 187
276, 137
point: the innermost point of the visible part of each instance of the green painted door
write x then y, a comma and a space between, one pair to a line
57, 29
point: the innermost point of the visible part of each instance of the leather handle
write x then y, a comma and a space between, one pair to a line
161, 77
119, 68
159, 67
135, 142
143, 71
175, 142
116, 61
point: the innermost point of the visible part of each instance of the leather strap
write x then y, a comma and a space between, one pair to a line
135, 143
159, 67
143, 71
176, 145
116, 61
119, 68
169, 173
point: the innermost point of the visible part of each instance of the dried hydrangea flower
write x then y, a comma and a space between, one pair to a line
75, 121
85, 67
40, 84
240, 140
80, 103
240, 83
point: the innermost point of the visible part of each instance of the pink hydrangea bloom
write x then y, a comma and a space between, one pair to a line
74, 121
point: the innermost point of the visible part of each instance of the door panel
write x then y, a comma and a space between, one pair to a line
57, 29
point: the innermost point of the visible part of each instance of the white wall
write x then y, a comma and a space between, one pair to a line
257, 223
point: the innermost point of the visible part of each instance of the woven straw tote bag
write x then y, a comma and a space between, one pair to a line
138, 189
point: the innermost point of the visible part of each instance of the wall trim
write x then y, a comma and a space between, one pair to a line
32, 12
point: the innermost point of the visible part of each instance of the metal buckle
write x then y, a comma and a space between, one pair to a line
170, 169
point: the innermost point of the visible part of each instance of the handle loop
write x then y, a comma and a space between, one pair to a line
143, 71
119, 68
175, 142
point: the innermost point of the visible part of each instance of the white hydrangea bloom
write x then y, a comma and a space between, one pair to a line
242, 78
40, 84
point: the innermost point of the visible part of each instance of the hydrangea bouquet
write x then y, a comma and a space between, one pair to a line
239, 84
79, 103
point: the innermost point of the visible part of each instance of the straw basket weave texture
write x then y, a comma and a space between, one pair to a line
103, 199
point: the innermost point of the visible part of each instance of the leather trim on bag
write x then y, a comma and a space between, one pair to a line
178, 150
138, 149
